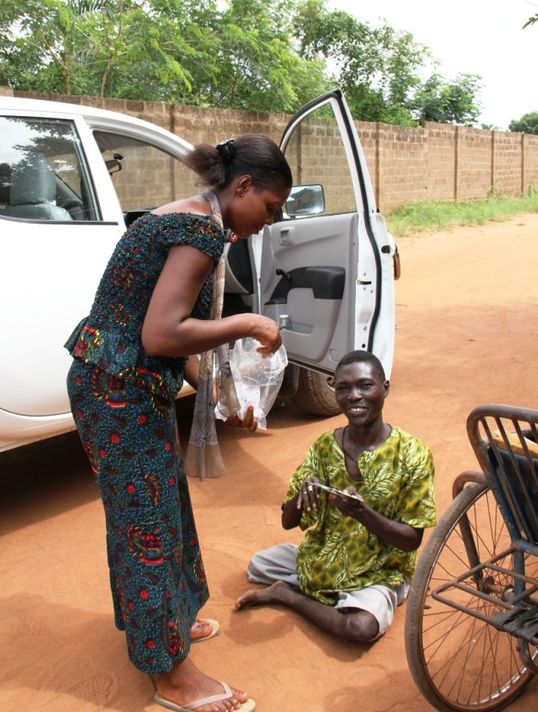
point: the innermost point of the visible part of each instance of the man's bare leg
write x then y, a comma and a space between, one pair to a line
359, 627
185, 683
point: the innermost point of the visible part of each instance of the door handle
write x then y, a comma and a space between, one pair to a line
282, 273
285, 237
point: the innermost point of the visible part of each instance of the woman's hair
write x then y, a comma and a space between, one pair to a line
252, 154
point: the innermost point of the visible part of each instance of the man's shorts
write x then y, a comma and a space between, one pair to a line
279, 563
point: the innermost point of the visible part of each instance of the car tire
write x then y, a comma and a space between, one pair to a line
315, 394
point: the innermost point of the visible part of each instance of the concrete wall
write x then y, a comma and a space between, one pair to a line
406, 165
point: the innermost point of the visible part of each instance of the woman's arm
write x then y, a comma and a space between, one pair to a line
191, 370
168, 328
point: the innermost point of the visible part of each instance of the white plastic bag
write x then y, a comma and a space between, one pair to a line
257, 380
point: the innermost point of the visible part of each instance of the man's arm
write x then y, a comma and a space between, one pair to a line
291, 513
416, 503
398, 534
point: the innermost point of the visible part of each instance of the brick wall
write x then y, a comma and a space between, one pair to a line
530, 164
474, 157
402, 171
433, 162
508, 163
440, 161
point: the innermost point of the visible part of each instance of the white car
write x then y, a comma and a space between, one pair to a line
72, 177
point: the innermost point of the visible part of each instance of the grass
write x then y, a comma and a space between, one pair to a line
421, 217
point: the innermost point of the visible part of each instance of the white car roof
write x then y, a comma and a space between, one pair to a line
94, 117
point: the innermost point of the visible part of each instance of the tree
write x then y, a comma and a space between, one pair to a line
448, 102
262, 55
377, 68
194, 51
528, 123
255, 62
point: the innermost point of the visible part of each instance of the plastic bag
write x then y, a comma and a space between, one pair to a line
257, 380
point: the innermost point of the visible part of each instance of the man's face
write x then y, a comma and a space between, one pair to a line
360, 392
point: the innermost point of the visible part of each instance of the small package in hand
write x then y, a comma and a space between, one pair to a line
257, 380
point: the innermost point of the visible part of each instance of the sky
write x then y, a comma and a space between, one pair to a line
482, 37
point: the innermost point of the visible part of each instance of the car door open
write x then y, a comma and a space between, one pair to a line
327, 263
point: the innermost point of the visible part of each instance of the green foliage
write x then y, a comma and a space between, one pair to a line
255, 64
264, 55
531, 21
528, 123
422, 217
448, 102
377, 68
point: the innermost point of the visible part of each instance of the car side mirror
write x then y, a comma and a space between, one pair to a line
114, 164
305, 201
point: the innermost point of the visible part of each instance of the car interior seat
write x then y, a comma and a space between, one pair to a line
5, 184
33, 191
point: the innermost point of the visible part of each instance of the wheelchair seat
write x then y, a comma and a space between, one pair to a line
505, 441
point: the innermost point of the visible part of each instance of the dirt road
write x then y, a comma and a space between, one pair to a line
467, 328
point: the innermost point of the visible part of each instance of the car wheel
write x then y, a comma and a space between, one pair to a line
315, 394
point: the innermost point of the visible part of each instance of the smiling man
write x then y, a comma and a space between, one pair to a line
355, 564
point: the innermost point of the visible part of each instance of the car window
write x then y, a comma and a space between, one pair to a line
144, 176
43, 173
322, 183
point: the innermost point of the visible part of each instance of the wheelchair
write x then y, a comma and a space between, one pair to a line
471, 628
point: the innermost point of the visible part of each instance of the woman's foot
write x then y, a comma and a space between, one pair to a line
185, 684
204, 629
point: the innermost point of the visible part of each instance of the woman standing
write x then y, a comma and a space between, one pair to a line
131, 355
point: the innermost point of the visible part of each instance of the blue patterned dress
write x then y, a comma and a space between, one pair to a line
123, 405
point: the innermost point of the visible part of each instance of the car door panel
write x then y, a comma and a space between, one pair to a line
50, 262
326, 277
310, 301
52, 293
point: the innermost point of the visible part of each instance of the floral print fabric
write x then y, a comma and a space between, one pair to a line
123, 405
339, 553
110, 336
156, 572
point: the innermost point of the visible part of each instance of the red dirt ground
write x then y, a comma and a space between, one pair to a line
466, 334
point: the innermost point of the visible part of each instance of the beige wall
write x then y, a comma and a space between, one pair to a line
433, 162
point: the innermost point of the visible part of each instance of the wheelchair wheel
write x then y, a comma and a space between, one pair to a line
459, 662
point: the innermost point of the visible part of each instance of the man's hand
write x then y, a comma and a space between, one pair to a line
249, 421
352, 506
308, 495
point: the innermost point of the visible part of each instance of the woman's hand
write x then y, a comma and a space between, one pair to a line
249, 421
267, 333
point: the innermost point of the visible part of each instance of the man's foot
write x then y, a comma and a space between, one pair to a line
185, 684
278, 592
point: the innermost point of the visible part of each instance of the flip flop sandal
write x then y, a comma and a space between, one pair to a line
248, 706
214, 627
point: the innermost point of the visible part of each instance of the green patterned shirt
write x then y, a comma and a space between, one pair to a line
339, 553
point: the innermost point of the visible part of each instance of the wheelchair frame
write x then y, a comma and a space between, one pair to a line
472, 614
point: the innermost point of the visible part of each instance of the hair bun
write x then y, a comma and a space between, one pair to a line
227, 150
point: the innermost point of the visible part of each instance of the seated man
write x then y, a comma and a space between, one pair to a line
357, 558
